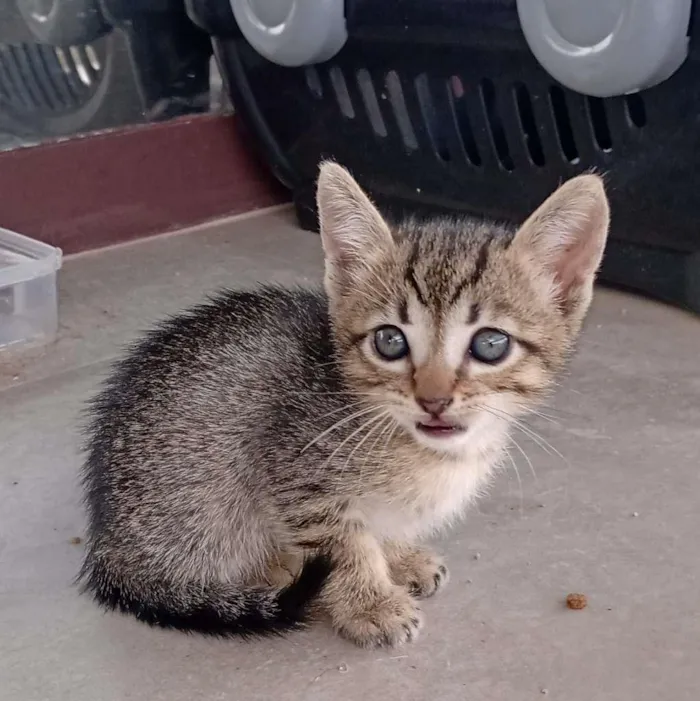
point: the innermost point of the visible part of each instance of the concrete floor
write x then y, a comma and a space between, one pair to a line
615, 517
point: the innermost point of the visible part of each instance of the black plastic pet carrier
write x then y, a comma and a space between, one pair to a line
443, 105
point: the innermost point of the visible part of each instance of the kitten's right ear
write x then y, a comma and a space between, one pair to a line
565, 238
351, 226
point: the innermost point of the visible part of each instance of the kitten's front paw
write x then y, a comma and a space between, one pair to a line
421, 571
386, 620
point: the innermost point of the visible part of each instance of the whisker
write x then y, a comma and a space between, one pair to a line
540, 440
384, 426
545, 417
362, 427
517, 475
552, 413
347, 393
380, 420
328, 363
525, 455
337, 425
562, 413
394, 425
342, 408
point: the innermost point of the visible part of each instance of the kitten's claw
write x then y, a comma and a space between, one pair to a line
421, 572
388, 621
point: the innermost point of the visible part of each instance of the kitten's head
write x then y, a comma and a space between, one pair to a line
456, 327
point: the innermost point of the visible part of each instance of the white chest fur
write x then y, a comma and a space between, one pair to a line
428, 499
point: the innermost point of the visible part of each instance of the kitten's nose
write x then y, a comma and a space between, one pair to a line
435, 405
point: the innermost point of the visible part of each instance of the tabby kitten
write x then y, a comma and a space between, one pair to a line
279, 446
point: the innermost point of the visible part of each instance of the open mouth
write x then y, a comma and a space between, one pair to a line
439, 428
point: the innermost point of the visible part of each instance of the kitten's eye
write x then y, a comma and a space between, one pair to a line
390, 343
490, 345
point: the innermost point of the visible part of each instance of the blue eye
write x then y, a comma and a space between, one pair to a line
490, 346
390, 343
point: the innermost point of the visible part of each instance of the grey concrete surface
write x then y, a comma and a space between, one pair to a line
616, 517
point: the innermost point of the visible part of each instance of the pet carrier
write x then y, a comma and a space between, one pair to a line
483, 106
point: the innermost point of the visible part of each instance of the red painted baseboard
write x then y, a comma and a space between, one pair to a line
101, 189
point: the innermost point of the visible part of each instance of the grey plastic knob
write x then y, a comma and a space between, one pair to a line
607, 47
292, 32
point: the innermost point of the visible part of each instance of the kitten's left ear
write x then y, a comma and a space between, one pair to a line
351, 226
566, 238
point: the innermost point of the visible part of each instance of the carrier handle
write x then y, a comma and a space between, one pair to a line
607, 47
292, 32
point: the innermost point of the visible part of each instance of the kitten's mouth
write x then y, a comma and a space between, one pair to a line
439, 428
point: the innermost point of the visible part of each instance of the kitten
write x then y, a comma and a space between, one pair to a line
279, 446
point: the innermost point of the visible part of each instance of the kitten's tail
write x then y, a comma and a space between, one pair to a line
218, 609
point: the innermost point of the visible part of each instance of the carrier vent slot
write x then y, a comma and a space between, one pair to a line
464, 121
369, 97
81, 65
435, 122
599, 123
528, 124
67, 67
5, 87
92, 58
342, 96
32, 78
60, 78
41, 74
20, 69
636, 110
313, 82
13, 85
398, 106
495, 123
562, 122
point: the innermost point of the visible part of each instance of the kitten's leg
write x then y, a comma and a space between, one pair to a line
418, 569
283, 568
365, 606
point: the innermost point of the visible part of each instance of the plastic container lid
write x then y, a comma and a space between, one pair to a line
23, 259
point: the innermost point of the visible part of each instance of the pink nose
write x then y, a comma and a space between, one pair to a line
436, 405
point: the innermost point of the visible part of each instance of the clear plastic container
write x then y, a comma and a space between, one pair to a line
28, 300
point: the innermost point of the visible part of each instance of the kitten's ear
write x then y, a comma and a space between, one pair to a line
351, 226
566, 237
